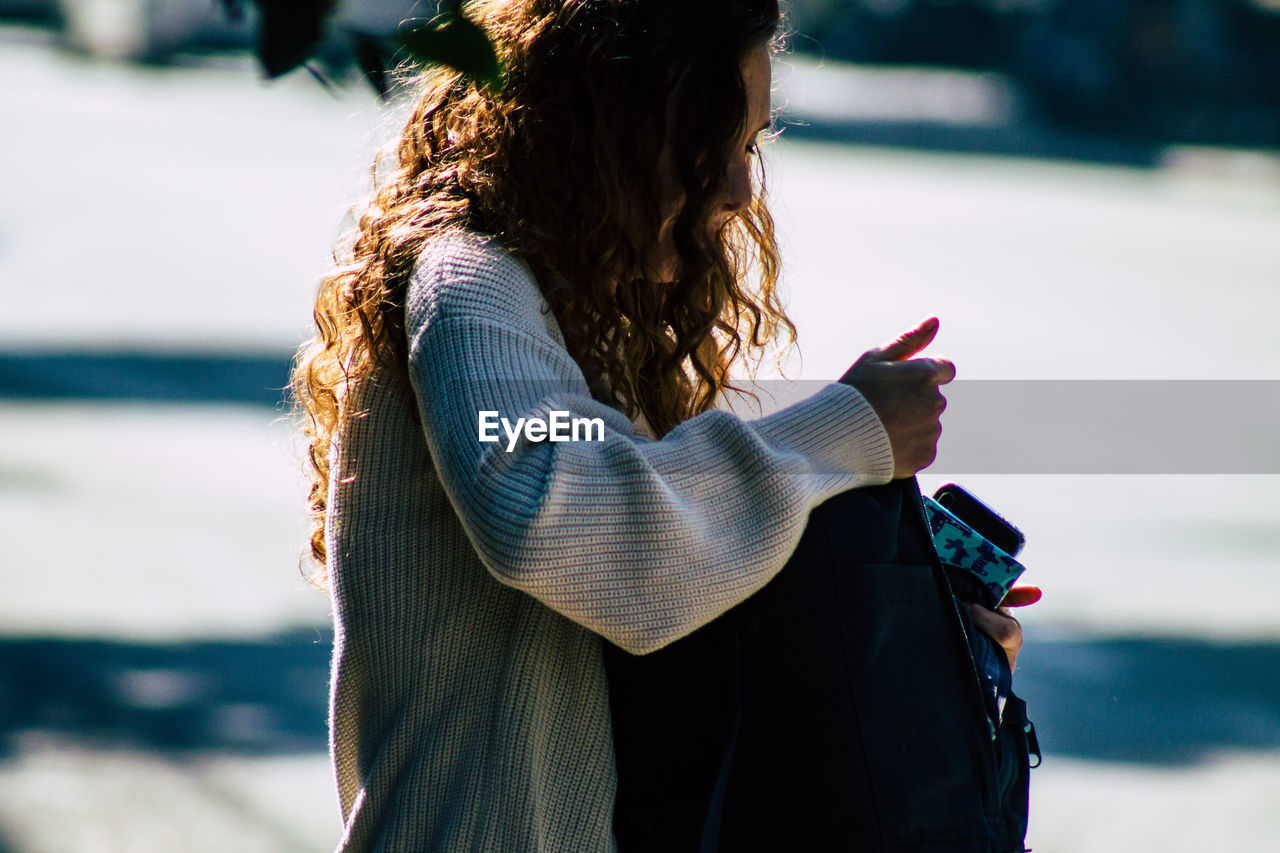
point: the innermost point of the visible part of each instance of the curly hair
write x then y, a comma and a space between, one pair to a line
558, 165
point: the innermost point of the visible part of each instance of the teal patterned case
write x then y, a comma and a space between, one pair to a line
960, 547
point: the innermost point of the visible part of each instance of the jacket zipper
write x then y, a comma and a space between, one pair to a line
986, 768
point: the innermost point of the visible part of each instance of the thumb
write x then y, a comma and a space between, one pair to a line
909, 343
1021, 596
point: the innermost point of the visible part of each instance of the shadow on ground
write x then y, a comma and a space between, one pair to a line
251, 697
1162, 700
154, 376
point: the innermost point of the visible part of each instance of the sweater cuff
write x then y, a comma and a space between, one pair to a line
837, 431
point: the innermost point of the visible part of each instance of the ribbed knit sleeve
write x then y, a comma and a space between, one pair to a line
640, 541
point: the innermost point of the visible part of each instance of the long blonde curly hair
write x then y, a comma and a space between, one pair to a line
558, 165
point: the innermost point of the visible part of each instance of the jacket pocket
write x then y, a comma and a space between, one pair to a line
913, 704
1015, 748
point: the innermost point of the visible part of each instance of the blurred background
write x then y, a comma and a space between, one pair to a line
1083, 191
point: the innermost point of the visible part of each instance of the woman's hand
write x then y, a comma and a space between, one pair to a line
1000, 625
904, 393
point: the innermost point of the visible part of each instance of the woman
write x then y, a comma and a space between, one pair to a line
576, 244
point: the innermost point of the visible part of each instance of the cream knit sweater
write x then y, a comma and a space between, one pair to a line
472, 586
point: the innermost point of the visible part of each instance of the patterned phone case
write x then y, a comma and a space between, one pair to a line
960, 547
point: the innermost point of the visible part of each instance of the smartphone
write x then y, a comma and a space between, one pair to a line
974, 544
985, 521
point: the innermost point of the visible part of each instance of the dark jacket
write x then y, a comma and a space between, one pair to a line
839, 708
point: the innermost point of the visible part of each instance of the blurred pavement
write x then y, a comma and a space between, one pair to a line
162, 662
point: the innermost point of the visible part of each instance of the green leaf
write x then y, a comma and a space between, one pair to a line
455, 41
